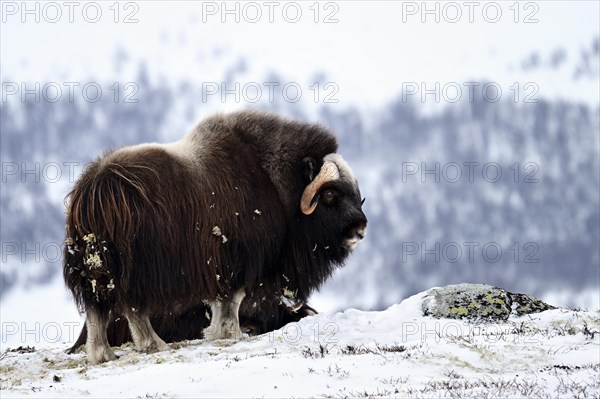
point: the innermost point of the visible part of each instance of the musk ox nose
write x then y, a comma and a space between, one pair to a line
356, 234
360, 231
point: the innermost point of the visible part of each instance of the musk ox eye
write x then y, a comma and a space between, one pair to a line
328, 197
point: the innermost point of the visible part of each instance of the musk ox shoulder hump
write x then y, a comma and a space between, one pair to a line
185, 150
267, 133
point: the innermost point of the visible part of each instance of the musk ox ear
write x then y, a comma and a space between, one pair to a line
309, 169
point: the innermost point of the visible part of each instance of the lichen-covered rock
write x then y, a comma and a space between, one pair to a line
471, 301
478, 302
525, 304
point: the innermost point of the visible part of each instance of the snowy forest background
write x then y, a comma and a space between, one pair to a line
559, 213
553, 217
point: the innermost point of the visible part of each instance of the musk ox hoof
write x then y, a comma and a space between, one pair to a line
212, 333
100, 354
157, 345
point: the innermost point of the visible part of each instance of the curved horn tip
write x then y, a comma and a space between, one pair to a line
308, 209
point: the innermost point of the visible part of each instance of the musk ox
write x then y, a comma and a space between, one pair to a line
246, 203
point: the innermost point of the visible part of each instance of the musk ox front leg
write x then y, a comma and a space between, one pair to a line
225, 320
96, 346
144, 336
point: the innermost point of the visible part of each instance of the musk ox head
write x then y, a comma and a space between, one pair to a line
332, 205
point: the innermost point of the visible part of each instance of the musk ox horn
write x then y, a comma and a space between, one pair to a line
329, 172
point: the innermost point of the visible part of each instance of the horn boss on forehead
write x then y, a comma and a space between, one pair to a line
334, 168
211, 219
329, 172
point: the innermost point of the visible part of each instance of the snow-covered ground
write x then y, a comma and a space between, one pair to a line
392, 353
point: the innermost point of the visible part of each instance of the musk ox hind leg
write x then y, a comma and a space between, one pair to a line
96, 346
225, 320
144, 336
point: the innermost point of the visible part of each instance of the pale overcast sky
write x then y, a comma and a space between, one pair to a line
372, 49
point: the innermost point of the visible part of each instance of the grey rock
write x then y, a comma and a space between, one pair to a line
479, 302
